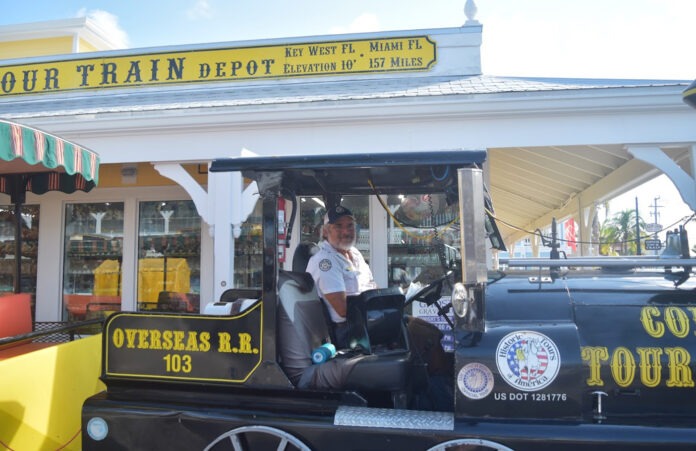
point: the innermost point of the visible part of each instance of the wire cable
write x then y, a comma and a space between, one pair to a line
685, 220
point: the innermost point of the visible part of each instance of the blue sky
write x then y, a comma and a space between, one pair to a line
555, 38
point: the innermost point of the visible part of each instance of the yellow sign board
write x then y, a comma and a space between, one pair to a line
415, 53
194, 348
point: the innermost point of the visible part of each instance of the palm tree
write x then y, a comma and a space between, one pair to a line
595, 236
608, 237
620, 229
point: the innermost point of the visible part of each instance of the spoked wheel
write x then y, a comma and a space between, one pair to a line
469, 444
256, 438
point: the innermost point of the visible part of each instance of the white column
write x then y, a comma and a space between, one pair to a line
587, 215
378, 242
534, 240
48, 296
230, 206
129, 263
222, 197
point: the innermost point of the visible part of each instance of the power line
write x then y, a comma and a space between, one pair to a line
537, 232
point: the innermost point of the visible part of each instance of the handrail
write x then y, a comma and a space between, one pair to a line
618, 262
68, 327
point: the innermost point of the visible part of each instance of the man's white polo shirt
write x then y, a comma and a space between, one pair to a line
332, 273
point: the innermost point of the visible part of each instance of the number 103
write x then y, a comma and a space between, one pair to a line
178, 363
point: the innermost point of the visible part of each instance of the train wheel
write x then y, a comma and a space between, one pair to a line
256, 438
469, 444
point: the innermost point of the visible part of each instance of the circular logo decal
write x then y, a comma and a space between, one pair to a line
475, 380
528, 360
325, 264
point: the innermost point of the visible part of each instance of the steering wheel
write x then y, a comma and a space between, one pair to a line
431, 294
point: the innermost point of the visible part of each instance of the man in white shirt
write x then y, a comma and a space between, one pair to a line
338, 268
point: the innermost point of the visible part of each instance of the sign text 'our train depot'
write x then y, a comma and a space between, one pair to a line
416, 53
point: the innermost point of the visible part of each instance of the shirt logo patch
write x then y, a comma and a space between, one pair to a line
325, 265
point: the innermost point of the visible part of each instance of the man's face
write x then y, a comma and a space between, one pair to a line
341, 234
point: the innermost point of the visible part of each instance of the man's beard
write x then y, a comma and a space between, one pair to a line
342, 245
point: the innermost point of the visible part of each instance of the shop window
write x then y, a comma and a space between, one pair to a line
248, 251
30, 247
92, 260
312, 211
169, 256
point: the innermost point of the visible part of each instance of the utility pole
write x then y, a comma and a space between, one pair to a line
656, 218
655, 214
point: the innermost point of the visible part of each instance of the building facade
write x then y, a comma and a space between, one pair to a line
159, 222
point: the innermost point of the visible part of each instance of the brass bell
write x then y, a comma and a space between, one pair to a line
672, 245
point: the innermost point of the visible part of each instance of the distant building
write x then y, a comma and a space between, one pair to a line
55, 37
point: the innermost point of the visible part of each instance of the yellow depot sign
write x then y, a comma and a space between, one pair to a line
415, 53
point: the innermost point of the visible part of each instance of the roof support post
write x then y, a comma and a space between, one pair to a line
587, 217
534, 240
221, 196
684, 182
177, 173
225, 204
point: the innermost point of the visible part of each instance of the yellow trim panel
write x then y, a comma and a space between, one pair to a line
184, 347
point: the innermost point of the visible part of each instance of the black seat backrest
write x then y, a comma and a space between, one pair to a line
303, 253
301, 327
301, 323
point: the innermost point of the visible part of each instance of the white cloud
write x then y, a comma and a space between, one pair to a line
108, 23
200, 10
361, 24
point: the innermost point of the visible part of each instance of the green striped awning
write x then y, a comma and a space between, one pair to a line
46, 162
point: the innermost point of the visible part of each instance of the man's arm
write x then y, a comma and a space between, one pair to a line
338, 301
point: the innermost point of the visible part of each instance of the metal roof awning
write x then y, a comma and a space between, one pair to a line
531, 185
358, 173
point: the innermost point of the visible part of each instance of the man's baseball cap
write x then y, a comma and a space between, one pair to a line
337, 212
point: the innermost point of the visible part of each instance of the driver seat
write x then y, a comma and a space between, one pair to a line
302, 327
304, 251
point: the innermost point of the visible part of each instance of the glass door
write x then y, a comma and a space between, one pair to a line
92, 260
248, 252
169, 256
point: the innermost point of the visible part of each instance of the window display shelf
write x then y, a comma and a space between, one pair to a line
92, 257
169, 252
